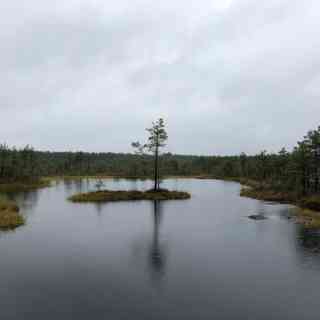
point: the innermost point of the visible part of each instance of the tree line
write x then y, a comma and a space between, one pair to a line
297, 170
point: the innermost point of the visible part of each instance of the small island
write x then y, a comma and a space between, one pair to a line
133, 195
10, 218
156, 141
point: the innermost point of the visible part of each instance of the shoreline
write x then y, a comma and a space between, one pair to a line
307, 209
55, 178
45, 182
24, 186
308, 212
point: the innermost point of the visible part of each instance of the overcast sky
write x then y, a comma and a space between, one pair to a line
227, 75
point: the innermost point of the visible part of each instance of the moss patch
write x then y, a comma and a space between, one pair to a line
107, 196
9, 215
312, 202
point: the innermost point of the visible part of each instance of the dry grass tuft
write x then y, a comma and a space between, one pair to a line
9, 215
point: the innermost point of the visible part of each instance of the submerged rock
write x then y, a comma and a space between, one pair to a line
257, 217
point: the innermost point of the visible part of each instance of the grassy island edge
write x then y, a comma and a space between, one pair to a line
129, 195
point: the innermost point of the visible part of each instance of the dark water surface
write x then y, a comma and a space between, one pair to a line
195, 259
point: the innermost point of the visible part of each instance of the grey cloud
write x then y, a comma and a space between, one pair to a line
236, 76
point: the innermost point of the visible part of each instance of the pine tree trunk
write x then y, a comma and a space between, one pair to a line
317, 173
156, 169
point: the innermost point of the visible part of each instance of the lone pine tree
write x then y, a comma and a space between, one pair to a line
156, 140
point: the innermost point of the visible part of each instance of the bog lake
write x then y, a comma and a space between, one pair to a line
193, 259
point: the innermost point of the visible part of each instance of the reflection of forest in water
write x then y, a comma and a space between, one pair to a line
26, 200
307, 245
76, 185
305, 242
308, 239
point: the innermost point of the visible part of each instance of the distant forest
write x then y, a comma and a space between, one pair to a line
297, 170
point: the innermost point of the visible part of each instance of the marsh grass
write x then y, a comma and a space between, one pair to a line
10, 218
308, 218
24, 186
312, 202
267, 195
307, 212
134, 195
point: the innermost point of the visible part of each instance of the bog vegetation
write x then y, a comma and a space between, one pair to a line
109, 196
9, 215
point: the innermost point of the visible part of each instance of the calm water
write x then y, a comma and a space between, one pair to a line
195, 259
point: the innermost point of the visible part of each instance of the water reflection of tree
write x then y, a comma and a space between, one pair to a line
307, 247
67, 183
26, 200
157, 254
98, 206
261, 208
76, 184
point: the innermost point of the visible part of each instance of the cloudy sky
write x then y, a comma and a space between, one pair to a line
227, 75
